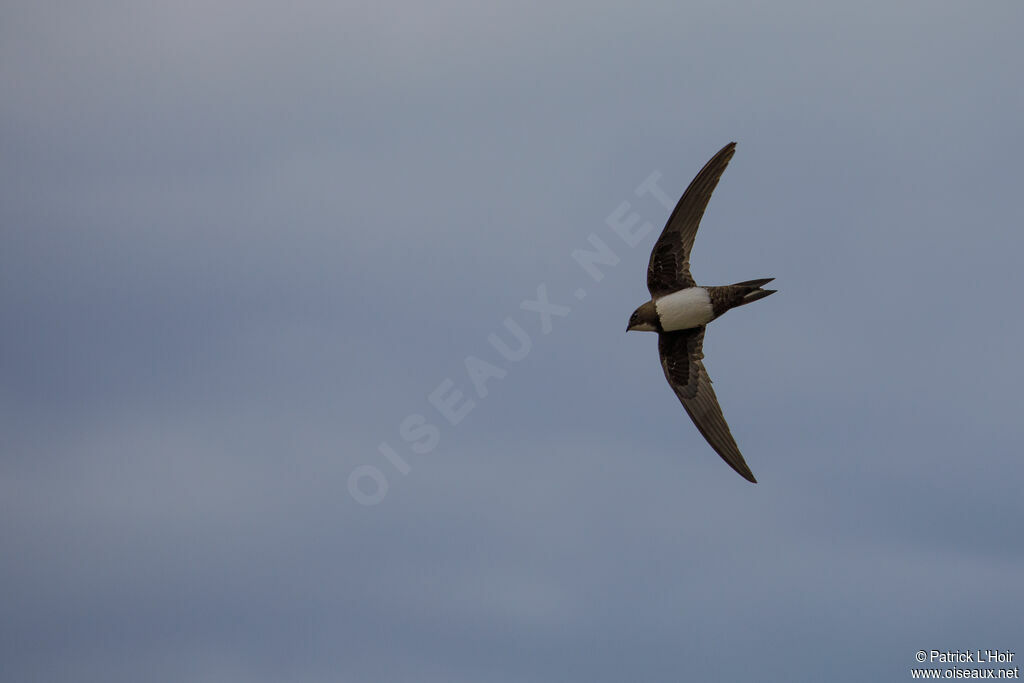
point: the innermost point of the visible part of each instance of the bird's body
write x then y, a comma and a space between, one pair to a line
679, 310
690, 307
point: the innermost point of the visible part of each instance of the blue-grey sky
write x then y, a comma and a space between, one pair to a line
243, 243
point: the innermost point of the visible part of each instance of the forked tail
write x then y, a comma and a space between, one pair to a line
751, 290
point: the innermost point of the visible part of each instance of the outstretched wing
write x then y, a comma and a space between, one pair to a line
681, 354
669, 268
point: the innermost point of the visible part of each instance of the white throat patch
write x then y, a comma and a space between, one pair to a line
684, 309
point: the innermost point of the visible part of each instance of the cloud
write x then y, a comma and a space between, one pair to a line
241, 246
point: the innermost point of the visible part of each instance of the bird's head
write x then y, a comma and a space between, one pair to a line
644, 319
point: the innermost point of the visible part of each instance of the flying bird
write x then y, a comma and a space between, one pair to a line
679, 311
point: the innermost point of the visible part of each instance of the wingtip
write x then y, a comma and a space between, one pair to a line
741, 468
745, 473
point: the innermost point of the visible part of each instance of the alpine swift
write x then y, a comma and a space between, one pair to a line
679, 310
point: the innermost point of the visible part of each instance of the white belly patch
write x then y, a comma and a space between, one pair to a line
684, 309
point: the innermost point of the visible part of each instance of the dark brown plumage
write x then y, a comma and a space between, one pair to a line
682, 355
669, 267
681, 350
